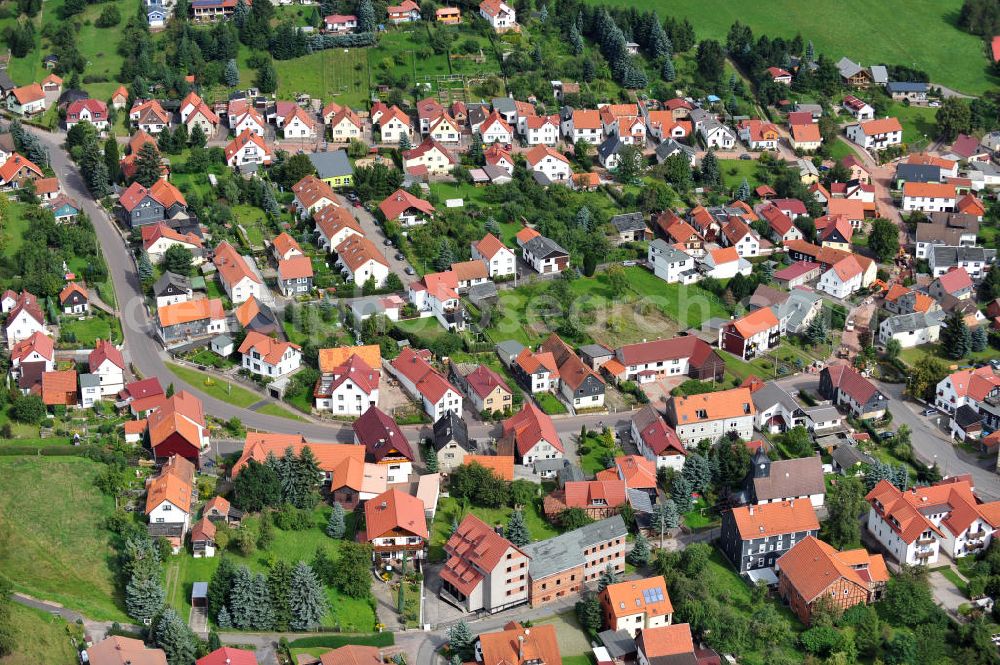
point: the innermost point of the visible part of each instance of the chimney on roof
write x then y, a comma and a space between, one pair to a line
520, 646
751, 508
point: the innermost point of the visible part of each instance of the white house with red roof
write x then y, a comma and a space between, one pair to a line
496, 155
334, 225
496, 130
348, 388
248, 148
248, 119
656, 440
876, 134
916, 525
18, 170
956, 282
158, 238
360, 260
542, 130
429, 158
240, 279
499, 15
725, 263
406, 208
339, 23
436, 294
861, 110
419, 378
444, 129
484, 570
583, 124
149, 116
312, 194
268, 356
107, 362
393, 124
842, 278
407, 11
553, 165
26, 100
781, 226
752, 334
25, 319
38, 348
500, 260
93, 111
967, 387
298, 124
738, 234
534, 435
345, 125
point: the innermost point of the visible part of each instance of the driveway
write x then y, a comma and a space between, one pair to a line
374, 233
945, 593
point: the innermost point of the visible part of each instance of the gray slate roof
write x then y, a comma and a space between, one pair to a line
793, 311
331, 164
918, 173
541, 247
168, 278
611, 146
848, 67
770, 394
89, 381
504, 105
905, 87
846, 456
669, 253
879, 74
565, 551
945, 255
632, 221
670, 147
791, 477
902, 323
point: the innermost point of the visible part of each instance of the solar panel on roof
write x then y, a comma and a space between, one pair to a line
654, 595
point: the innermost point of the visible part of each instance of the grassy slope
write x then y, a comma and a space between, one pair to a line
293, 546
39, 638
227, 392
52, 542
922, 32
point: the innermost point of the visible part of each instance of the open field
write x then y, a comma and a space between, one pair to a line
922, 34
39, 638
183, 570
339, 75
52, 543
915, 353
449, 509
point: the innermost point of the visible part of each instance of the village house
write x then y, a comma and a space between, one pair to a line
407, 11
269, 357
678, 356
25, 318
499, 15
27, 100
190, 319
483, 570
812, 571
394, 525
636, 605
385, 444
149, 116
754, 537
562, 565
405, 208
915, 526
345, 125
656, 441
360, 260
74, 299
534, 435
582, 124
93, 111
238, 274
333, 226
424, 383
157, 238
975, 260
107, 363
876, 134
17, 171
671, 264
148, 205
429, 158
911, 329
500, 260
549, 163
177, 427
349, 379
597, 498
752, 334
844, 386
861, 110
929, 197
544, 255
311, 195
340, 23
712, 416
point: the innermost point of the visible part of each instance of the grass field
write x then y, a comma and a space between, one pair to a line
734, 170
918, 122
339, 75
39, 638
53, 544
183, 570
915, 353
449, 509
281, 412
214, 387
549, 403
88, 330
14, 225
922, 34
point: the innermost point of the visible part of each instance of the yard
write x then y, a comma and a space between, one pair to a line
735, 170
549, 403
918, 122
339, 75
350, 614
39, 638
452, 509
53, 544
953, 58
911, 355
215, 387
597, 450
649, 309
85, 332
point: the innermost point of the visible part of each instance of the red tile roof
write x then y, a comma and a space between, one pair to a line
475, 546
770, 519
296, 267
270, 349
233, 268
105, 350
39, 343
59, 387
380, 435
955, 280
27, 94
812, 566
14, 165
153, 232
484, 381
394, 511
756, 322
530, 426
400, 201
489, 246
229, 656
516, 645
311, 190
356, 250
428, 381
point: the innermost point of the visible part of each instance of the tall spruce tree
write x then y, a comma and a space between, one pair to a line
111, 159
231, 75
335, 527
517, 530
307, 597
667, 72
144, 594
147, 165
608, 577
279, 586
639, 554
366, 16
710, 175
175, 638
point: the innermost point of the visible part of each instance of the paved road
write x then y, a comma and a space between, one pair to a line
931, 444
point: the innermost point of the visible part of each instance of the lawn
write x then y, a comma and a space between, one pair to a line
280, 411
649, 309
593, 460
915, 353
53, 544
427, 327
39, 637
698, 517
339, 75
952, 57
549, 403
452, 509
87, 331
918, 122
14, 226
215, 387
183, 570
734, 170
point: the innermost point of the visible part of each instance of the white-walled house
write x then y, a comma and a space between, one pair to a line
107, 363
268, 356
929, 196
500, 260
498, 14
656, 441
553, 165
842, 278
671, 264
876, 134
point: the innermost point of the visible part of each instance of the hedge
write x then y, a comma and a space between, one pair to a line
336, 641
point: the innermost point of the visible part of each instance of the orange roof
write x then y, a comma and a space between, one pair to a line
881, 126
850, 208
475, 546
330, 359
295, 267
394, 511
732, 403
311, 190
70, 289
935, 190
895, 292
39, 343
270, 349
770, 519
755, 322
516, 645
190, 310
469, 270
489, 246
501, 465
664, 641
526, 234
328, 455
806, 133
400, 201
970, 205
153, 232
356, 250
847, 268
637, 471
233, 268
181, 414
122, 91
352, 654
647, 596
28, 93
725, 255
242, 140
586, 119
811, 566
360, 476
530, 426
331, 219
285, 244
13, 166
135, 426
59, 387
168, 487
905, 512
931, 160
540, 152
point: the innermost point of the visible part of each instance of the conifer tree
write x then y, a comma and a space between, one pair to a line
175, 638
307, 598
639, 555
668, 73
517, 530
335, 527
366, 16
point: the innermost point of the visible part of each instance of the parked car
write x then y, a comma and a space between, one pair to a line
886, 435
928, 412
934, 105
399, 257
409, 271
387, 242
746, 156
